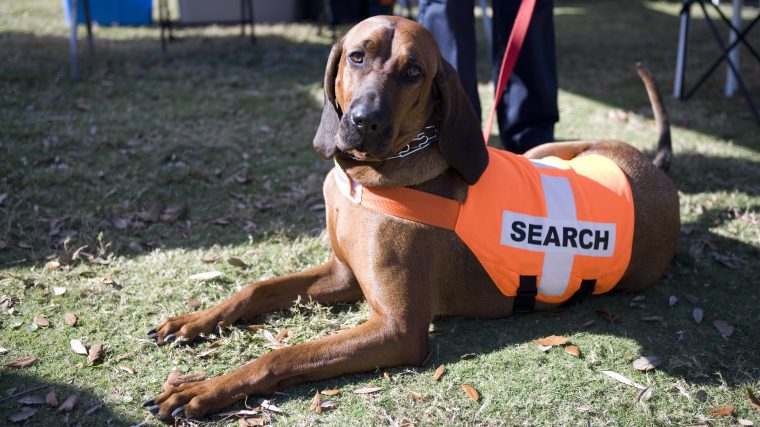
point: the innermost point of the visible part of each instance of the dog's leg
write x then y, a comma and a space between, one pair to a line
332, 282
397, 336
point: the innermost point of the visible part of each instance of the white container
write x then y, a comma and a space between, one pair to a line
226, 11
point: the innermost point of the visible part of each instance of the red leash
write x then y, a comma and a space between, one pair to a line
514, 45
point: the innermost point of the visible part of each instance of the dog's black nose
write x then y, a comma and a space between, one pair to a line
364, 120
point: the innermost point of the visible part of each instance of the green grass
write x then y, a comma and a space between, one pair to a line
222, 129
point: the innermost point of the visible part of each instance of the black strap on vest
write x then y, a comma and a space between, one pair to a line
525, 300
586, 289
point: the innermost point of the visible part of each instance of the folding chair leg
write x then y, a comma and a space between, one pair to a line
683, 47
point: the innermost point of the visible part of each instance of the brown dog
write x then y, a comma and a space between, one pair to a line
386, 80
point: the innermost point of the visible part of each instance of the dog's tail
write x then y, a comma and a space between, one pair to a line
664, 148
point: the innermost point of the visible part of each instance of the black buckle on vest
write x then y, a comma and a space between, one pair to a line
586, 289
525, 300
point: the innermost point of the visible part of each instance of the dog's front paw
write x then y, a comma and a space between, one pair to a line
187, 326
193, 400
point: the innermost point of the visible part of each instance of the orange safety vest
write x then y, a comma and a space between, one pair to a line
562, 224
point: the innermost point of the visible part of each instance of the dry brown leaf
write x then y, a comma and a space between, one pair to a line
574, 350
438, 372
210, 258
237, 262
368, 390
189, 377
269, 406
94, 354
316, 404
52, 398
206, 276
698, 314
251, 422
284, 333
22, 416
588, 323
22, 362
254, 328
417, 396
127, 369
644, 395
193, 303
58, 291
617, 377
720, 349
468, 356
77, 347
724, 328
653, 318
470, 390
53, 265
331, 392
69, 404
329, 404
647, 363
692, 299
744, 422
672, 300
552, 340
31, 399
544, 348
3, 351
124, 356
753, 399
222, 220
607, 316
70, 318
82, 105
723, 411
42, 321
92, 409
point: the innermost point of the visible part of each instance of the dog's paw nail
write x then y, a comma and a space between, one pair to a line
153, 336
217, 329
149, 402
169, 338
152, 331
154, 409
178, 412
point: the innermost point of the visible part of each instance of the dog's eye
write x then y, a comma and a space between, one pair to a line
356, 57
413, 72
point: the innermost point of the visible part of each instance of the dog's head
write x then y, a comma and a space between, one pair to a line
384, 82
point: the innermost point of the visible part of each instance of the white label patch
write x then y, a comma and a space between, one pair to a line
542, 234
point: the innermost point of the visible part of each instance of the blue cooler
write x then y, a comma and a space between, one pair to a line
113, 12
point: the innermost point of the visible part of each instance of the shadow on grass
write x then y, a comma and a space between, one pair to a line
90, 411
208, 145
598, 64
697, 173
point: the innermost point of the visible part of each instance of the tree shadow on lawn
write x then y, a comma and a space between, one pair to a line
209, 145
696, 173
90, 411
598, 64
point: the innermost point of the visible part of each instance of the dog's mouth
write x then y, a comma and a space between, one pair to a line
426, 137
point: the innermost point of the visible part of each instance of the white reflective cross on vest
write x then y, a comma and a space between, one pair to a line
560, 214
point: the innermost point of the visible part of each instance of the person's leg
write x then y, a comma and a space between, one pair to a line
528, 110
452, 23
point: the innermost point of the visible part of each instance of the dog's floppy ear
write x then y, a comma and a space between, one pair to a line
324, 141
461, 140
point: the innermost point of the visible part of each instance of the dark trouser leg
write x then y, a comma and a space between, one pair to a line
452, 23
528, 110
